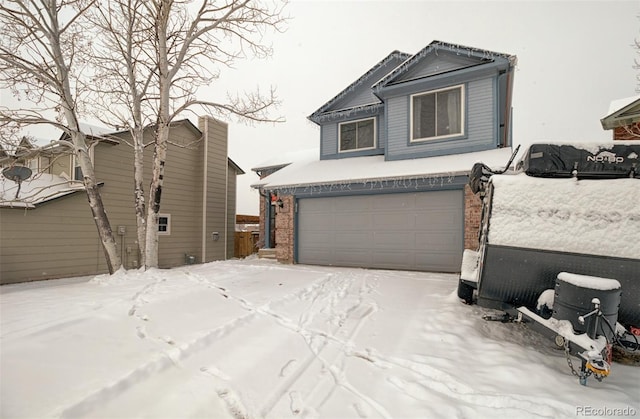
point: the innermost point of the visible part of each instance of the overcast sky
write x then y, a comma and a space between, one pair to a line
574, 58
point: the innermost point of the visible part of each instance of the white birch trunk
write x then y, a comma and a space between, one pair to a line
95, 203
139, 200
161, 135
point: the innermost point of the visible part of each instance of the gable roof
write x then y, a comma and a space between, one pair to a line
622, 112
474, 57
361, 88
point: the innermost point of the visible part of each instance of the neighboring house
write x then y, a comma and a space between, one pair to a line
396, 146
623, 118
47, 231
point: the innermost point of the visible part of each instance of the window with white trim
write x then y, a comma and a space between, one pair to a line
164, 224
437, 114
357, 135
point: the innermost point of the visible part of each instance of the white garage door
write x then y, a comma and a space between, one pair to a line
413, 231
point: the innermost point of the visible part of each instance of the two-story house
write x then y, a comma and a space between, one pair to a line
388, 189
46, 226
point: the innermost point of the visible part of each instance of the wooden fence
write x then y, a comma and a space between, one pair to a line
245, 244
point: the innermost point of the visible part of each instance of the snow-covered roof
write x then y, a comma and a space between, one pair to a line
619, 104
34, 191
622, 112
285, 159
432, 48
326, 172
394, 58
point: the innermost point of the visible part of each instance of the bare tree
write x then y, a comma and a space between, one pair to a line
168, 50
124, 73
42, 43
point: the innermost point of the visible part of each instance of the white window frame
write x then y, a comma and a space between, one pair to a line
375, 135
168, 232
463, 111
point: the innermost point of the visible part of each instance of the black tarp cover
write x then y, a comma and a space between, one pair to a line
603, 162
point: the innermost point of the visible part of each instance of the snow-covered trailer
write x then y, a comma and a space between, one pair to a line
560, 239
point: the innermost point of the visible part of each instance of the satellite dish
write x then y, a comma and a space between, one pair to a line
17, 174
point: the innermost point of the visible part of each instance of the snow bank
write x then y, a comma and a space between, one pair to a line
599, 217
590, 282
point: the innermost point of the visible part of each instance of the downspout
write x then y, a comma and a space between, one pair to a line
507, 110
267, 219
205, 137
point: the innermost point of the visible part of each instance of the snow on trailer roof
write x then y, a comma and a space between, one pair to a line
595, 216
326, 172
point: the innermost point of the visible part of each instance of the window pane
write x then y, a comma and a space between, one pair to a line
448, 115
424, 116
163, 224
348, 136
365, 134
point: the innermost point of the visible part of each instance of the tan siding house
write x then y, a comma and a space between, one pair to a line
55, 236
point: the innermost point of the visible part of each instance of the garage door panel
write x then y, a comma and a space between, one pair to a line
439, 218
351, 238
405, 202
421, 231
390, 220
433, 240
317, 256
445, 200
347, 205
315, 238
394, 240
353, 257
352, 220
393, 258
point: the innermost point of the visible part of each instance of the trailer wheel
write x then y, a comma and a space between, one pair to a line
465, 292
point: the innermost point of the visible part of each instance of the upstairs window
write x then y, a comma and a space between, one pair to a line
357, 135
437, 114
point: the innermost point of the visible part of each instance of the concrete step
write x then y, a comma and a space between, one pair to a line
267, 253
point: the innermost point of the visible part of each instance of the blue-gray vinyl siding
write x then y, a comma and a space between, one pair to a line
480, 125
441, 63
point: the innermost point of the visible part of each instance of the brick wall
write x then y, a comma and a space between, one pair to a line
472, 218
628, 132
284, 230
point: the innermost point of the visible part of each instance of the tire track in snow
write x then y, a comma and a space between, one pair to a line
167, 359
430, 379
331, 291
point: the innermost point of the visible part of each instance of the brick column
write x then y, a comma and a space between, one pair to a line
284, 230
472, 215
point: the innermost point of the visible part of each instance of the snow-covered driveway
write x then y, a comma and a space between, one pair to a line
253, 338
